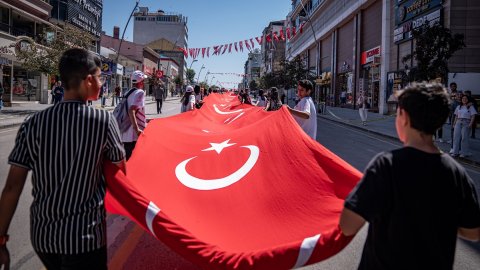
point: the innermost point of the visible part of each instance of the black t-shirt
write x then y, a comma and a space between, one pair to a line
415, 202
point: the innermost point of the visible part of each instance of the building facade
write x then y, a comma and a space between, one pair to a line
252, 68
273, 53
151, 28
356, 47
22, 22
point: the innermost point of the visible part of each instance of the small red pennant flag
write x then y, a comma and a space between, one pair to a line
282, 36
225, 48
275, 37
230, 48
241, 46
259, 40
236, 48
208, 52
252, 43
301, 27
247, 45
203, 52
288, 33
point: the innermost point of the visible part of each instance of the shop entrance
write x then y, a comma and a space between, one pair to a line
371, 80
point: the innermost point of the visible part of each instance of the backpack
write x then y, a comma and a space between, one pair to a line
121, 112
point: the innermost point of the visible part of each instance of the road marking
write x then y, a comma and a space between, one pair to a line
125, 250
365, 133
8, 130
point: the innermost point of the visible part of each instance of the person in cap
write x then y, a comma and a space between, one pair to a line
136, 112
188, 100
304, 112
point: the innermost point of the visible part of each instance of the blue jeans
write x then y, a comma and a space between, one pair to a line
461, 137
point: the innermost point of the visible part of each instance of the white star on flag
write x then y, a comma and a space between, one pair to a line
218, 147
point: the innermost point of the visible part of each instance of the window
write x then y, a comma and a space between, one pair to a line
140, 18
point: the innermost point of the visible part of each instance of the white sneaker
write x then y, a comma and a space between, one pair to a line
451, 151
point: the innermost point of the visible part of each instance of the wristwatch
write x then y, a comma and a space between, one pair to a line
3, 239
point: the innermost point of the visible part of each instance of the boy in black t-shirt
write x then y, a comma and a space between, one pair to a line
416, 198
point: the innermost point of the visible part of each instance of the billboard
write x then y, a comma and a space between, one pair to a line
86, 15
407, 10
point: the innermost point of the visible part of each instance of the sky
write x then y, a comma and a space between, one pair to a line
210, 23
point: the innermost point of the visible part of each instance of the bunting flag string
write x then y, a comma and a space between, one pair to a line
283, 35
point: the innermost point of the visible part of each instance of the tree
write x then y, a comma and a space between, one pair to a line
190, 75
253, 85
294, 71
45, 57
272, 79
434, 45
178, 80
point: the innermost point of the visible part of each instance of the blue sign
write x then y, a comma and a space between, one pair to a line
412, 8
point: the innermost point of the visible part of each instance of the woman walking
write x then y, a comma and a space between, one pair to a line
465, 116
262, 100
362, 108
188, 100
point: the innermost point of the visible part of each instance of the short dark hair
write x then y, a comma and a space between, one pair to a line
307, 84
75, 65
427, 104
453, 83
196, 89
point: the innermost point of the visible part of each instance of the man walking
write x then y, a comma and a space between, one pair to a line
136, 112
158, 93
67, 213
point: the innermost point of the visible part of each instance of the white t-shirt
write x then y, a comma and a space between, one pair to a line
262, 102
136, 99
190, 105
462, 112
308, 125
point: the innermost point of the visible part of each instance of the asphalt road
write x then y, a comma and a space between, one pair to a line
132, 248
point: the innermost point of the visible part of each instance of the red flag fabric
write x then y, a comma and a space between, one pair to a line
241, 46
252, 44
294, 32
208, 52
203, 52
288, 32
268, 38
301, 27
275, 36
225, 48
236, 48
250, 191
282, 36
185, 52
247, 44
230, 48
259, 40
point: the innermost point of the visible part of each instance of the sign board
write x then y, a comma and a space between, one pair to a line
159, 73
368, 56
119, 69
404, 31
412, 8
86, 15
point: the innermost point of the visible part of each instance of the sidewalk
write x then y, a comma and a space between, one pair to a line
384, 125
14, 116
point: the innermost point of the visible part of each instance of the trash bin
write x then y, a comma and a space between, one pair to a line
45, 97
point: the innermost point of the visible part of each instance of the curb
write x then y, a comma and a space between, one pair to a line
459, 159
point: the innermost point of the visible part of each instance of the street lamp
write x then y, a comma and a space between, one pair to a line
192, 63
211, 80
205, 80
198, 77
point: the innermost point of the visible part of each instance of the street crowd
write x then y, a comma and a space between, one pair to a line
416, 199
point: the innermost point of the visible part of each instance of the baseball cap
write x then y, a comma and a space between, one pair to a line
189, 89
138, 76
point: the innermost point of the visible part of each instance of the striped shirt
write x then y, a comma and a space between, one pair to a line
65, 146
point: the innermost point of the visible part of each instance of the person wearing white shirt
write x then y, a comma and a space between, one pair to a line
304, 112
262, 100
465, 115
188, 100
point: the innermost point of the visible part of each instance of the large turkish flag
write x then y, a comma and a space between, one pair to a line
231, 186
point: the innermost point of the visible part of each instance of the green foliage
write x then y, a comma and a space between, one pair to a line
295, 71
434, 46
190, 75
178, 80
253, 85
45, 57
204, 85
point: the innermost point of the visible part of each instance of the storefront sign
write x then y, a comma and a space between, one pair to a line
159, 73
413, 8
147, 70
107, 68
404, 32
5, 62
86, 14
369, 55
23, 44
119, 69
